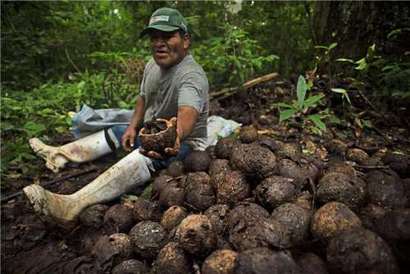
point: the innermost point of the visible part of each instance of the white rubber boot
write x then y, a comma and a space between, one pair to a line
131, 171
82, 150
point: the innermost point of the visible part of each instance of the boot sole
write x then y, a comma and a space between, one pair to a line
37, 198
36, 145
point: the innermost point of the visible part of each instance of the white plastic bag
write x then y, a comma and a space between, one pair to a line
219, 127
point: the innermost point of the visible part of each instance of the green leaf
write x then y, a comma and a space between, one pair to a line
339, 90
301, 91
286, 114
334, 120
345, 60
33, 128
344, 93
391, 67
321, 47
332, 46
393, 33
367, 123
315, 118
312, 100
361, 64
347, 98
371, 51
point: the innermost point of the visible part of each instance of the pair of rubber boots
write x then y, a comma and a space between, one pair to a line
130, 171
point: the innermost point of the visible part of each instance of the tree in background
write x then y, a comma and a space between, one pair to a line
355, 25
48, 40
373, 41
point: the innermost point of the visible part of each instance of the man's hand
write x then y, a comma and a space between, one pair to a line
172, 151
130, 133
169, 151
151, 154
128, 138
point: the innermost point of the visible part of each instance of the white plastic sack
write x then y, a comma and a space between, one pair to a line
219, 127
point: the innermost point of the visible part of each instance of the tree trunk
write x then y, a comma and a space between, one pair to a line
356, 25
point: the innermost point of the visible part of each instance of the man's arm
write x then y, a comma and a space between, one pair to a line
186, 120
136, 121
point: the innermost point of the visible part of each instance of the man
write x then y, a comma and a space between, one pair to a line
173, 85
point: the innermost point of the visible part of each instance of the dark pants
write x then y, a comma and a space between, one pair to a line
184, 150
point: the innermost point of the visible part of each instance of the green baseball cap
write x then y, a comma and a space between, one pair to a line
166, 19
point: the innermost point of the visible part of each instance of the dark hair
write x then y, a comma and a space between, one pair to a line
182, 33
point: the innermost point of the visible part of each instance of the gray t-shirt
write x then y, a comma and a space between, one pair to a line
184, 84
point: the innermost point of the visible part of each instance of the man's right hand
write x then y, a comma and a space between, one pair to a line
128, 138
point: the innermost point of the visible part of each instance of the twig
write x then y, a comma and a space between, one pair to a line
385, 136
71, 61
229, 91
82, 172
366, 100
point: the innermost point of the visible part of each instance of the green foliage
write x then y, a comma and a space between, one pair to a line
324, 58
390, 76
281, 28
302, 107
233, 58
43, 41
45, 111
49, 40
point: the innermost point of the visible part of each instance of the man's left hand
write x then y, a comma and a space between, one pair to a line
169, 151
151, 154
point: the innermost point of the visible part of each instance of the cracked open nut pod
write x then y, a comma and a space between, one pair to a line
156, 135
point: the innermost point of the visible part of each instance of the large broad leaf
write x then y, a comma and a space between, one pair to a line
301, 91
312, 100
315, 118
286, 114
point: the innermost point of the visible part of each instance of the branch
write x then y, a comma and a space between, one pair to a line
229, 91
71, 61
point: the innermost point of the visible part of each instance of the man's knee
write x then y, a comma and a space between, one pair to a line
113, 136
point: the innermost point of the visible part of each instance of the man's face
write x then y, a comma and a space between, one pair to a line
168, 48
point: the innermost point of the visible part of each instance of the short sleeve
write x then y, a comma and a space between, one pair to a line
193, 91
142, 86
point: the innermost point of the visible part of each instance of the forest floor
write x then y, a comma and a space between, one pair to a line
30, 246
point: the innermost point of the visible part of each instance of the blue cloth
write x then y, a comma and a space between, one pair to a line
184, 150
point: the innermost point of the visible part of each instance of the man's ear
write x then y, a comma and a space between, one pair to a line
187, 41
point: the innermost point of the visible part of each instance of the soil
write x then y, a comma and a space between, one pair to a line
379, 153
